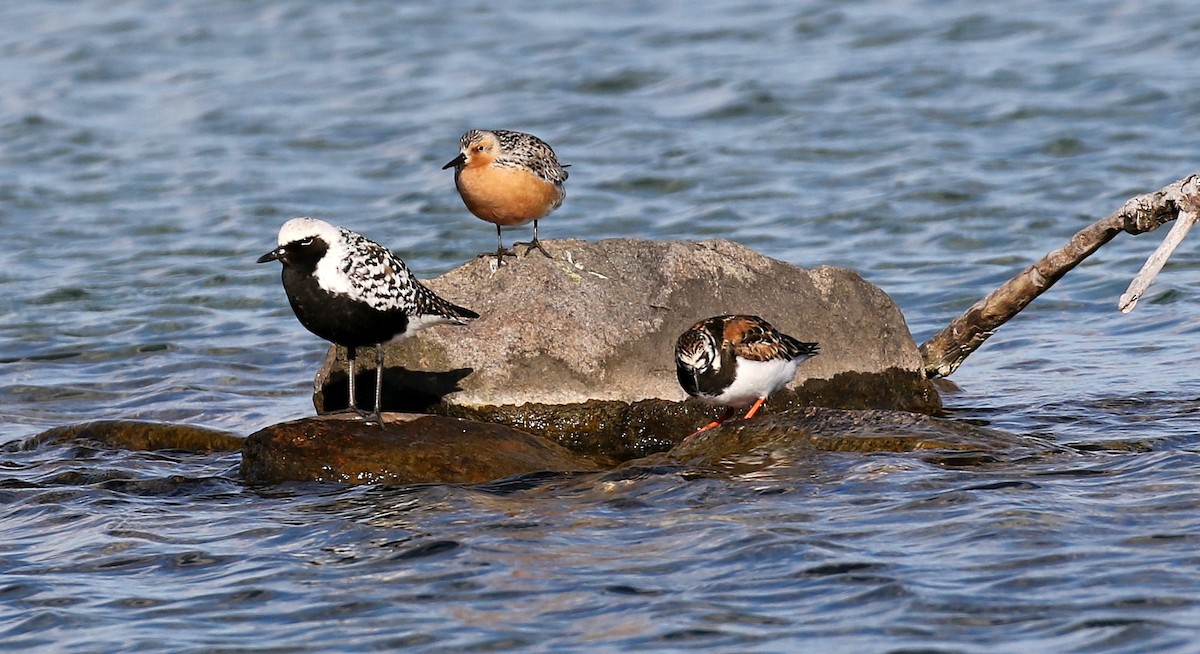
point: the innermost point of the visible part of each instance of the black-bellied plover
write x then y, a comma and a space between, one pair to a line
353, 292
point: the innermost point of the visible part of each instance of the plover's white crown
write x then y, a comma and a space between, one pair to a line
360, 268
298, 229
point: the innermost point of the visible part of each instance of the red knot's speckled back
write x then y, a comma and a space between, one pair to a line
508, 178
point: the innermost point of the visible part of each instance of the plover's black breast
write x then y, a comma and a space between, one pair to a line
339, 318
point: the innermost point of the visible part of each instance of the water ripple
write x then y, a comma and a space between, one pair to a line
151, 154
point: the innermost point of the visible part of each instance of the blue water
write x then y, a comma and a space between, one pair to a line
149, 151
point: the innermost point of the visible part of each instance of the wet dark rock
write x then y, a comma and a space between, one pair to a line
630, 430
579, 348
139, 435
800, 433
408, 449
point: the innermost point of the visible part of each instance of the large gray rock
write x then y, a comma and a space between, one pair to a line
597, 324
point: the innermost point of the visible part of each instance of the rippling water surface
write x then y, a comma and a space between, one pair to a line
150, 151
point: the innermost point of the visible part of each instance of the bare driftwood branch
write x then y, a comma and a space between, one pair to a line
943, 353
1158, 259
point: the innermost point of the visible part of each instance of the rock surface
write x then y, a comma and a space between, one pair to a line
408, 449
597, 324
791, 434
139, 435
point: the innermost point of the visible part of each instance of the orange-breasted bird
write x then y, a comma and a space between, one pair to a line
508, 178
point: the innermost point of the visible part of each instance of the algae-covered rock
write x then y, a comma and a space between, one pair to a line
407, 449
139, 435
798, 434
630, 430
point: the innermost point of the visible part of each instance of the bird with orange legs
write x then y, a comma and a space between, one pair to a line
508, 178
736, 361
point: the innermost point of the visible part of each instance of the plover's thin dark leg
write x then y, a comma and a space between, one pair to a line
535, 243
378, 415
350, 355
352, 373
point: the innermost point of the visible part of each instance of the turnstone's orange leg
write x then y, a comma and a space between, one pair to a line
724, 416
754, 409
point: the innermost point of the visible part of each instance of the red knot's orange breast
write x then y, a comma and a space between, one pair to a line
506, 195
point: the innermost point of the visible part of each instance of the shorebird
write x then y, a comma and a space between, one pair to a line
508, 178
353, 292
736, 361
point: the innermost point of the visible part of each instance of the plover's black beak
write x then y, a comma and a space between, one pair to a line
273, 255
456, 162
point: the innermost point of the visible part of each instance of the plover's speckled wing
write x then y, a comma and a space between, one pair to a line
368, 272
373, 274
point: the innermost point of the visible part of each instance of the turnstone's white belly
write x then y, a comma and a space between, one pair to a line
755, 379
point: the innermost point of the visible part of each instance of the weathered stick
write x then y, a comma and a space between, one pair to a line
943, 353
1157, 260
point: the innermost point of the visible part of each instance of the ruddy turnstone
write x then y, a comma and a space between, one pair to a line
353, 292
508, 178
736, 361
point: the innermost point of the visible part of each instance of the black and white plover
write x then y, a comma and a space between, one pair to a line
508, 178
736, 361
353, 292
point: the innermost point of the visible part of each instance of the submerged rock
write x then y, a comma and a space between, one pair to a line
139, 435
580, 347
798, 434
407, 449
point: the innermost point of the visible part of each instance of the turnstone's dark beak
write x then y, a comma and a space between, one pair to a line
456, 162
273, 255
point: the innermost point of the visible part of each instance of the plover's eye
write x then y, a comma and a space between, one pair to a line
479, 148
307, 242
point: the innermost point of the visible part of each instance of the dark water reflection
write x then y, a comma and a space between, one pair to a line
150, 152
